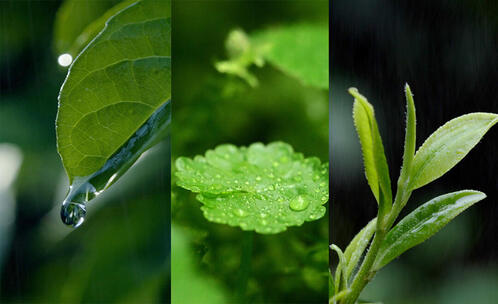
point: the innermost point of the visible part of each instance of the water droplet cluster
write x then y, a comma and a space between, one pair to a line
265, 188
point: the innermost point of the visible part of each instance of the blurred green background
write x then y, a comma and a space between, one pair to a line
121, 253
446, 51
209, 109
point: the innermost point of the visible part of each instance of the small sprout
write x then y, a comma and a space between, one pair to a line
447, 146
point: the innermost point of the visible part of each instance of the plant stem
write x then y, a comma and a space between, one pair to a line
245, 265
365, 274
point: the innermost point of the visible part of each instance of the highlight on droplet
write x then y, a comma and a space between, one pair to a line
65, 59
73, 213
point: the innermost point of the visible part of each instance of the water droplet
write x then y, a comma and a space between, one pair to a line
65, 60
73, 214
299, 203
240, 212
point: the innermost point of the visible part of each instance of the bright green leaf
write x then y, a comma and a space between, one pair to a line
357, 247
114, 86
299, 50
261, 188
374, 159
424, 222
449, 145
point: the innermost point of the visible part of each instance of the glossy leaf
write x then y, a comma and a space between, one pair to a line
299, 50
265, 188
448, 146
424, 222
357, 247
374, 159
114, 86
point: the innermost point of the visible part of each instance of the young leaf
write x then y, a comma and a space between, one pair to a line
410, 135
424, 222
340, 272
114, 86
376, 169
299, 50
357, 246
261, 188
449, 145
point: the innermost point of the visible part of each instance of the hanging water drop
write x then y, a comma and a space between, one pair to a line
299, 203
73, 214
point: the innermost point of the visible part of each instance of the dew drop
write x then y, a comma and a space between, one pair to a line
73, 214
240, 212
65, 59
299, 203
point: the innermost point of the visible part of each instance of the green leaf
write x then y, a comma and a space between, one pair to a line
448, 146
374, 159
261, 188
340, 279
357, 247
187, 278
299, 50
410, 135
114, 87
73, 17
424, 222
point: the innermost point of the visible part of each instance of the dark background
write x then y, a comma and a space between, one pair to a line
447, 52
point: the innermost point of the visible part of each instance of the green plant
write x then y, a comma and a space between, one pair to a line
439, 153
261, 188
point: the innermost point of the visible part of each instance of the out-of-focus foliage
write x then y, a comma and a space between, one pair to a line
299, 50
189, 286
212, 108
78, 21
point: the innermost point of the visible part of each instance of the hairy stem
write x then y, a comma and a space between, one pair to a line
365, 273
